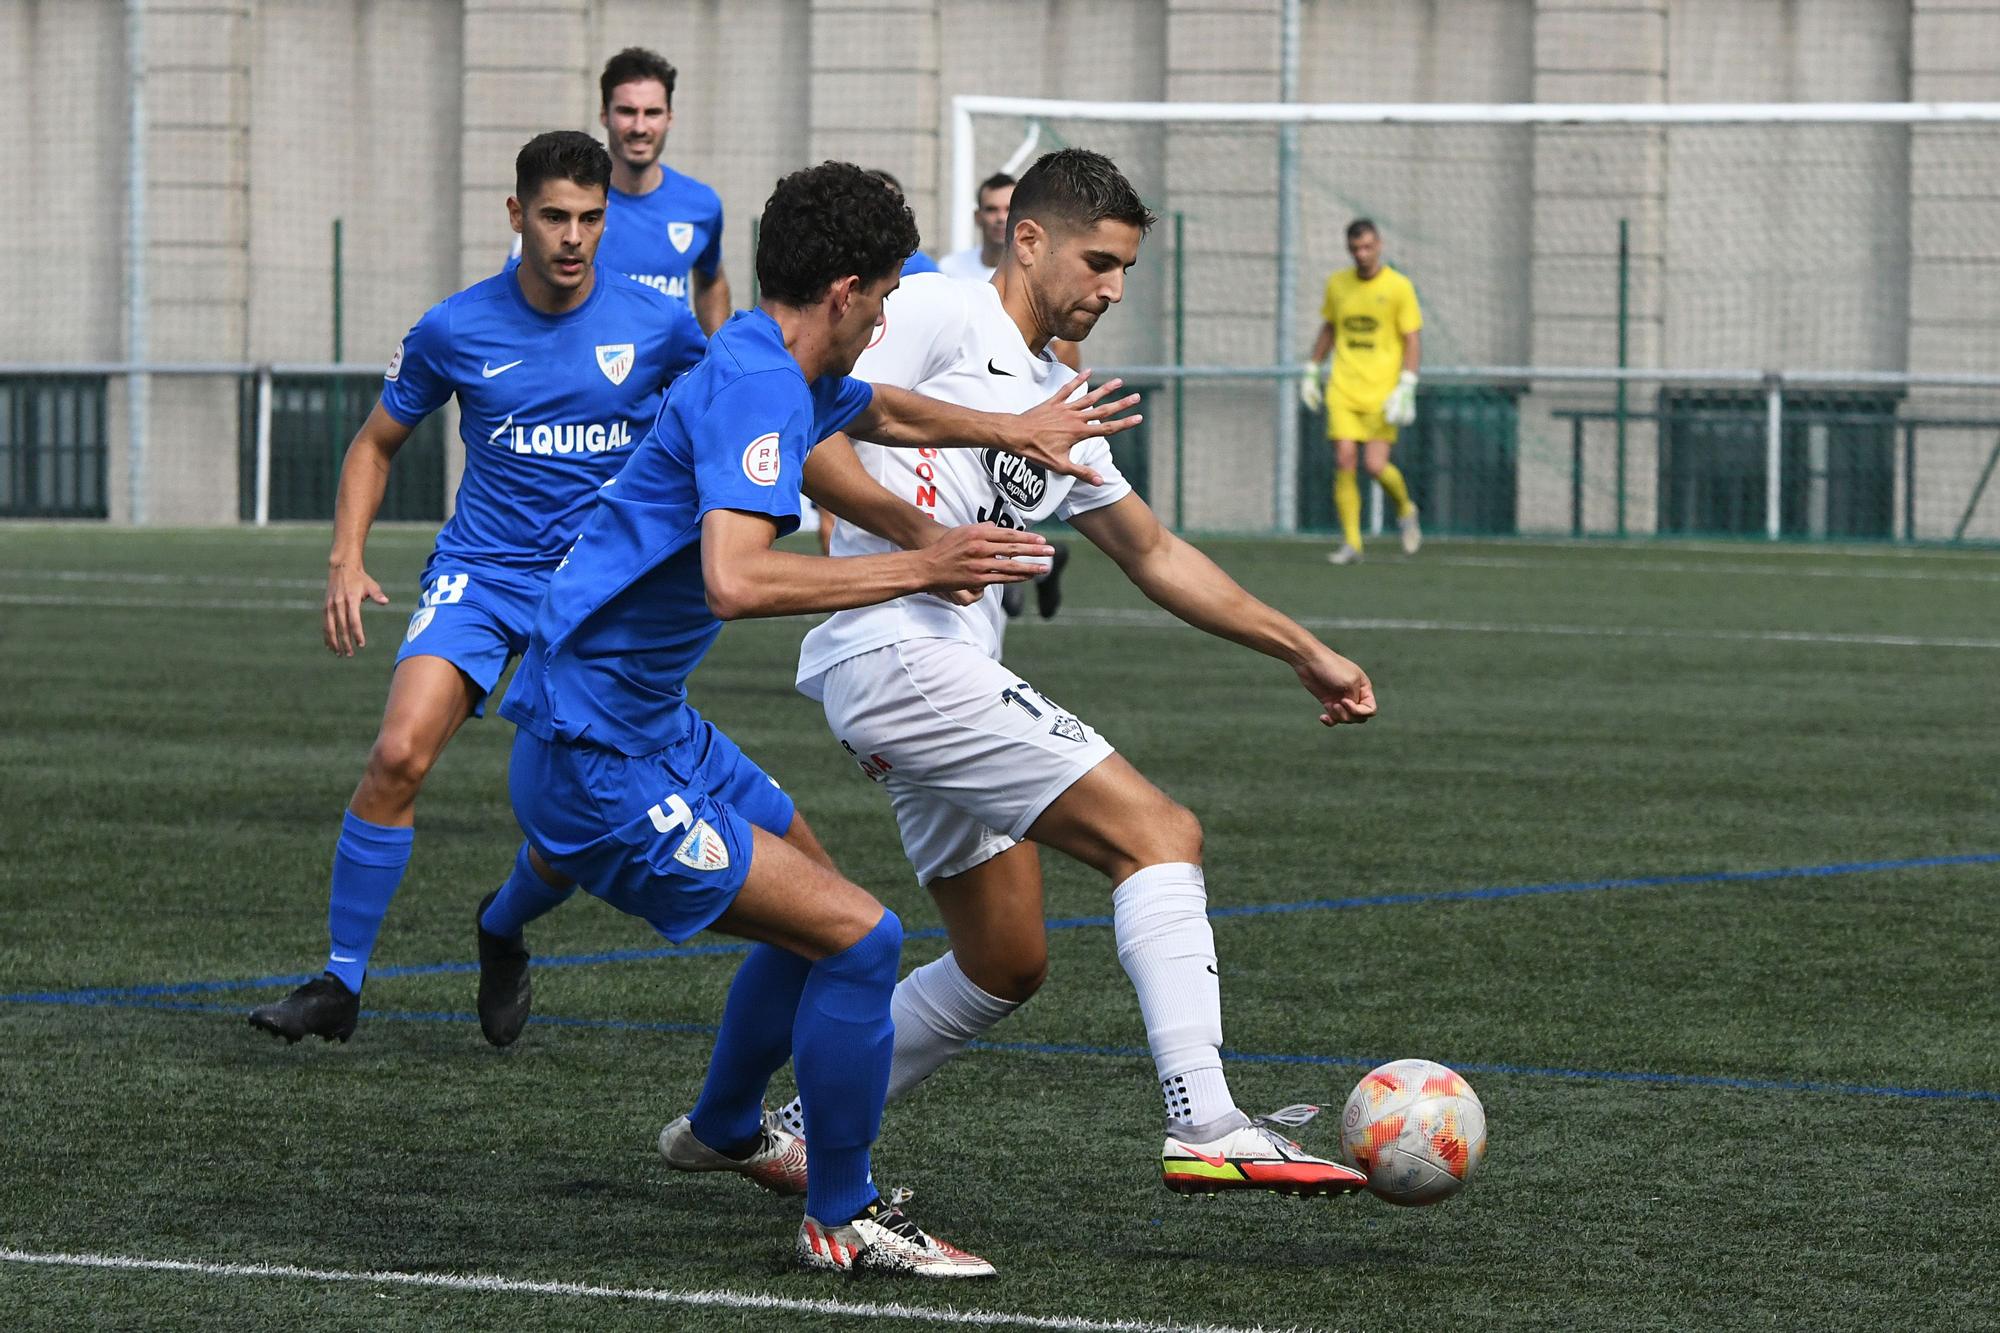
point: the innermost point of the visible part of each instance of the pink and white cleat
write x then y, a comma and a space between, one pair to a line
883, 1240
778, 1163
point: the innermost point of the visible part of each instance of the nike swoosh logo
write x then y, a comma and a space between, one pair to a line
1212, 972
340, 958
489, 370
1217, 1160
996, 369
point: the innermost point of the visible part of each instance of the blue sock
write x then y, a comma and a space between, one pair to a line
368, 864
521, 899
841, 1045
755, 1040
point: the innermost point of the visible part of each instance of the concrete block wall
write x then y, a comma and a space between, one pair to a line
272, 117
1586, 180
1954, 237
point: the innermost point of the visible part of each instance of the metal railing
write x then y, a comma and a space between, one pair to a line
284, 425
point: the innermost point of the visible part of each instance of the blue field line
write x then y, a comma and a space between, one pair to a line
100, 994
1233, 1056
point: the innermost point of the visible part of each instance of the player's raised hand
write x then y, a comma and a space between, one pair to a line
1052, 427
1341, 687
347, 587
980, 554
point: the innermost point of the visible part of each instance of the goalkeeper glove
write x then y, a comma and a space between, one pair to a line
1401, 407
1310, 395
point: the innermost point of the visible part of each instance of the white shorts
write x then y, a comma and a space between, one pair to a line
970, 753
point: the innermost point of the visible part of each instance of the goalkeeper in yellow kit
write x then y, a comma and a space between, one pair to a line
1370, 321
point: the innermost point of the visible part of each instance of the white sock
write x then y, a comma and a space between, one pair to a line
1160, 919
937, 1010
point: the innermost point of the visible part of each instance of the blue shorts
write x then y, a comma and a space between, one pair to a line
476, 617
664, 836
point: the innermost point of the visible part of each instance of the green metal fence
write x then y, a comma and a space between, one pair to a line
1837, 468
313, 419
1459, 458
1132, 451
52, 446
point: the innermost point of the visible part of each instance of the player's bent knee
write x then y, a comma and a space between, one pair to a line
1019, 983
1174, 834
398, 764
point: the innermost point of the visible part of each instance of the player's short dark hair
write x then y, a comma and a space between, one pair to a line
1074, 189
999, 180
569, 155
636, 64
826, 222
887, 180
1362, 227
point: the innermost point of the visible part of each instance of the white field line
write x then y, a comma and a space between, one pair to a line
1642, 566
156, 580
153, 603
1139, 618
730, 1300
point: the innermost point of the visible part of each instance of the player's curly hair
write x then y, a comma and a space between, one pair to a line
636, 64
568, 155
1074, 189
826, 223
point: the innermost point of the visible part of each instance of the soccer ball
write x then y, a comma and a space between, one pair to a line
1416, 1128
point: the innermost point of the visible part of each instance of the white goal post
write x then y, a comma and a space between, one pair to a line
965, 170
1844, 243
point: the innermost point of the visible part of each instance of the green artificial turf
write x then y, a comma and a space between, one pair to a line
1722, 1100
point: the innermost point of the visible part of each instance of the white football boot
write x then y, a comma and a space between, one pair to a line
778, 1164
883, 1240
1345, 555
1238, 1153
1413, 532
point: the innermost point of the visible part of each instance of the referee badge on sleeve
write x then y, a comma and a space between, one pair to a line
761, 459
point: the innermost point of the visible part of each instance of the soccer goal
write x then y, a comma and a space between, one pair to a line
1777, 320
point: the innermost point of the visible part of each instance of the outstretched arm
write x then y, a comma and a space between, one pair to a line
1043, 434
1181, 579
835, 481
746, 578
711, 299
364, 476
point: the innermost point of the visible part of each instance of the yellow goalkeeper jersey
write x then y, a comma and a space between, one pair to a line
1369, 320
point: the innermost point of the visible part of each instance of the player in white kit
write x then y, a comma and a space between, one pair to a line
978, 763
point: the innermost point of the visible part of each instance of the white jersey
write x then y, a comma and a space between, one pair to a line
953, 340
966, 265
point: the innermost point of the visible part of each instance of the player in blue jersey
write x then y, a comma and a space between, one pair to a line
623, 788
664, 228
558, 366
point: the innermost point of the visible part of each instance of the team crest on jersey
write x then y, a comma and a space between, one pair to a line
761, 460
1022, 482
681, 234
703, 849
419, 622
615, 360
1068, 728
395, 363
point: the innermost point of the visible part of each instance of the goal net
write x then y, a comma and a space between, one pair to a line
1687, 253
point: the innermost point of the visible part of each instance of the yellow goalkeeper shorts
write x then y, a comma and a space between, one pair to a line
1345, 423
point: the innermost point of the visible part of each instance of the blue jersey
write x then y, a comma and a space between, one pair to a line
659, 237
627, 619
549, 405
918, 263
